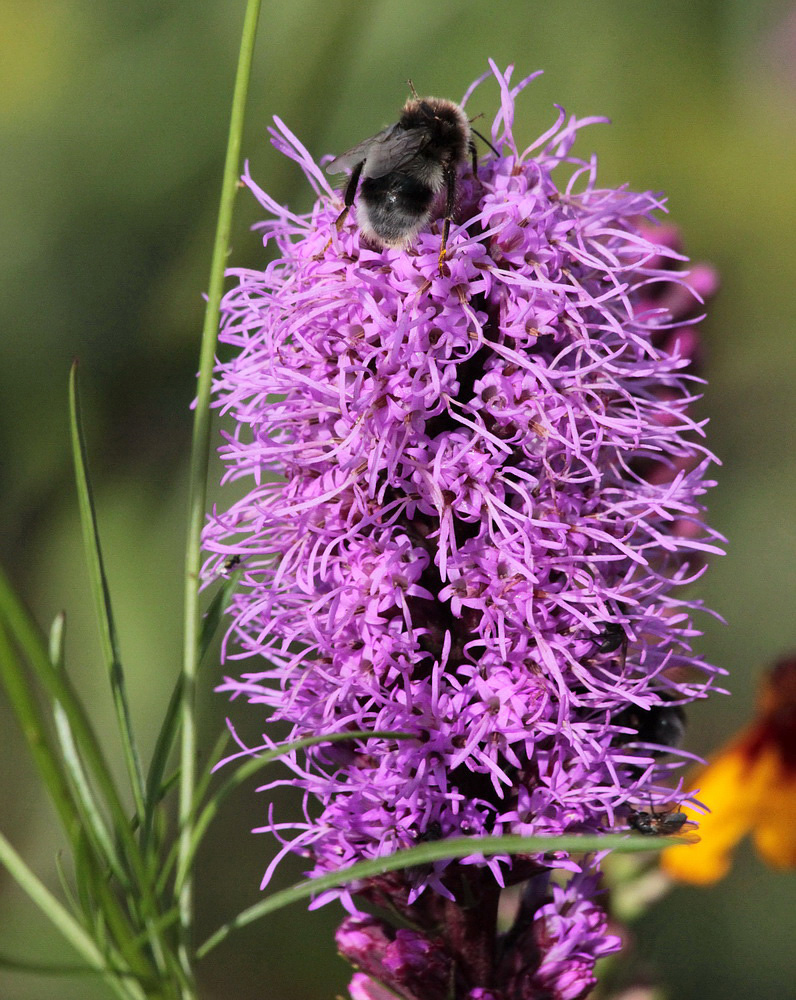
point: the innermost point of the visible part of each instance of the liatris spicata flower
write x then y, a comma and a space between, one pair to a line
473, 502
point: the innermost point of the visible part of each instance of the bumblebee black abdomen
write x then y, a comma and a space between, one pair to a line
395, 206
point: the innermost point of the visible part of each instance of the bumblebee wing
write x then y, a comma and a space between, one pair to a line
392, 149
357, 154
387, 150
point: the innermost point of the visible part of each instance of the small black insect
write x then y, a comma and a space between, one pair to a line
652, 824
231, 562
403, 170
612, 637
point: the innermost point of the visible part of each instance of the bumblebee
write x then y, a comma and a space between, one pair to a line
404, 168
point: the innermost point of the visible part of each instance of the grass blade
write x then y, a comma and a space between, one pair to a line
458, 847
215, 612
213, 758
57, 684
33, 725
102, 599
56, 647
108, 924
124, 987
92, 820
66, 887
167, 738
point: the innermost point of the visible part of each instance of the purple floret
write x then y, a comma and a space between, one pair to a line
473, 499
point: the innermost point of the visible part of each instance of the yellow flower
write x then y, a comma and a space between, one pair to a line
749, 787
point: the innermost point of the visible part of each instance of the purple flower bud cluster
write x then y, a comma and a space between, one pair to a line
472, 500
549, 953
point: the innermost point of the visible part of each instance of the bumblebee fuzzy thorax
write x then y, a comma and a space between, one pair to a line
446, 125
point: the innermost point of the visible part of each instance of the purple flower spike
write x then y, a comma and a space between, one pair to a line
472, 501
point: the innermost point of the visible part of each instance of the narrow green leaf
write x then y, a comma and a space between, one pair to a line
84, 882
457, 847
147, 905
166, 920
57, 634
65, 884
32, 722
95, 851
169, 783
110, 926
102, 598
126, 988
59, 688
173, 980
93, 822
167, 737
39, 969
212, 762
215, 612
244, 771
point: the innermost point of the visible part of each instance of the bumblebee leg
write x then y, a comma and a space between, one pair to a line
474, 155
348, 197
450, 201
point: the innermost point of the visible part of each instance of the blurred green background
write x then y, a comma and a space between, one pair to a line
113, 120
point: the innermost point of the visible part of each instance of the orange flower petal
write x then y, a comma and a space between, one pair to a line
775, 831
749, 786
733, 789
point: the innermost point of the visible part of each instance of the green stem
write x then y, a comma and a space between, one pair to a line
200, 450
